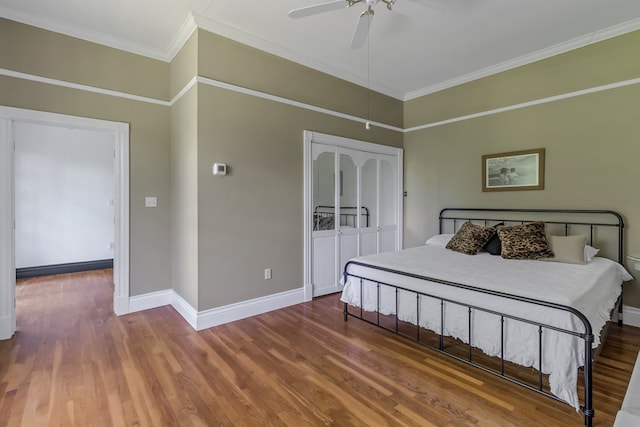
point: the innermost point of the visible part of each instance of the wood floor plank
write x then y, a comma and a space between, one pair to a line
72, 362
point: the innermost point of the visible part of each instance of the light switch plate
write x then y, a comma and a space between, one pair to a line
150, 202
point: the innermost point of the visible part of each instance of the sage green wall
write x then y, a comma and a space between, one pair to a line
252, 218
43, 53
184, 67
184, 197
607, 62
184, 174
592, 141
241, 65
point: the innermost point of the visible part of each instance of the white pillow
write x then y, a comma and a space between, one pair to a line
590, 252
439, 240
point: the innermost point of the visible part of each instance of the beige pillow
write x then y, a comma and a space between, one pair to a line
567, 249
470, 238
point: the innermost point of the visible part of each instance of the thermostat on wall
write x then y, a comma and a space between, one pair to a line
219, 169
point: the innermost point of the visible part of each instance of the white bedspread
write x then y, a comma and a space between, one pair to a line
592, 289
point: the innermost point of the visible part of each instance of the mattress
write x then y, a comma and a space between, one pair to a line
592, 289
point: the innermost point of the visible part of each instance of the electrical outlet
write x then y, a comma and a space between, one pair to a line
267, 274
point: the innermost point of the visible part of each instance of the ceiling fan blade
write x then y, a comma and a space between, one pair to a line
318, 8
362, 29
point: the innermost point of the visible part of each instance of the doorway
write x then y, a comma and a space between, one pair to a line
9, 117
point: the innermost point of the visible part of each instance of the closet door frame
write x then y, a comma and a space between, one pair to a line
349, 144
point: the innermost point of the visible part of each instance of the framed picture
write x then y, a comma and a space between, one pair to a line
517, 170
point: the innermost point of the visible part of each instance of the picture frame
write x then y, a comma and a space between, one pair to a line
513, 171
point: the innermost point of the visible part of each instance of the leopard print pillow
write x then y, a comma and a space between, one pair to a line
470, 238
526, 241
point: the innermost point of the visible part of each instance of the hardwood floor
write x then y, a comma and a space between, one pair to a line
72, 362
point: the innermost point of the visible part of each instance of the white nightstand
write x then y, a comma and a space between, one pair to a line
635, 261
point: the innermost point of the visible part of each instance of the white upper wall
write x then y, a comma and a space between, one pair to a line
64, 190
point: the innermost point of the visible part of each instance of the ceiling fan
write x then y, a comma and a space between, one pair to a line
364, 22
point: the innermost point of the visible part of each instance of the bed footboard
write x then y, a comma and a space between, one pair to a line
399, 327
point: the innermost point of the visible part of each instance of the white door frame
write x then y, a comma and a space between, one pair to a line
8, 116
352, 144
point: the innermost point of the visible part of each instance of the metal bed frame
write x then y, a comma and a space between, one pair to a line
489, 217
348, 215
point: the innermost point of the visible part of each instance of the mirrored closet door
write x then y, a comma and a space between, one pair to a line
353, 206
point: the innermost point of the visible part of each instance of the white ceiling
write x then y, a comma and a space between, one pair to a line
412, 50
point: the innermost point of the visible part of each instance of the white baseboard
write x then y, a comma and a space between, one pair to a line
7, 327
185, 310
242, 310
318, 292
121, 305
150, 300
631, 316
308, 292
215, 316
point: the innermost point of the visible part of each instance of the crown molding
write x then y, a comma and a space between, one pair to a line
576, 43
194, 20
251, 40
185, 31
224, 30
84, 33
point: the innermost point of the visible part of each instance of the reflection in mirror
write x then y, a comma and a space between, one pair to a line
324, 192
388, 193
369, 193
348, 192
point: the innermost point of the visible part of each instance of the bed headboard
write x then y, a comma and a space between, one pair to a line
348, 215
603, 228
